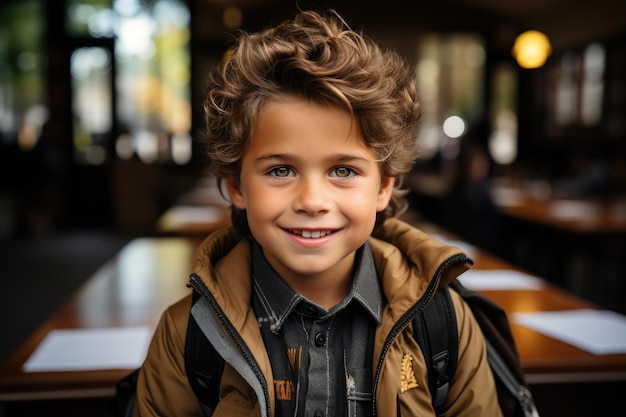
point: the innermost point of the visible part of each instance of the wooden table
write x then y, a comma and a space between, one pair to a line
544, 359
576, 215
149, 274
132, 289
577, 244
197, 213
196, 221
564, 380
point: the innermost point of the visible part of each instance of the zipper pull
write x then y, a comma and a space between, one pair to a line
525, 399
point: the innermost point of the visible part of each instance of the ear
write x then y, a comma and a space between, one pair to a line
233, 186
385, 192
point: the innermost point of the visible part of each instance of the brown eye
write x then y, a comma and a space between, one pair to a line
342, 172
281, 172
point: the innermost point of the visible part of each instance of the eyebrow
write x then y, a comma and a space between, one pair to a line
341, 158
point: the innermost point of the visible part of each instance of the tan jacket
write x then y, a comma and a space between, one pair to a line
411, 266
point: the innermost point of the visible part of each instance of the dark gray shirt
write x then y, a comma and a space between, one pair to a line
321, 360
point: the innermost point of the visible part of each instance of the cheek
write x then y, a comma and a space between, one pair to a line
360, 204
262, 204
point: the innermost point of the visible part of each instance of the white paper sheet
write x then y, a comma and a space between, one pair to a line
195, 214
499, 279
574, 210
90, 349
596, 331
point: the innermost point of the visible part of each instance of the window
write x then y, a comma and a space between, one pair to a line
450, 74
91, 98
592, 84
152, 77
23, 107
503, 114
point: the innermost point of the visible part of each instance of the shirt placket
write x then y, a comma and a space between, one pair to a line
321, 392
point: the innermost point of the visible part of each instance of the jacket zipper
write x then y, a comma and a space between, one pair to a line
409, 316
196, 283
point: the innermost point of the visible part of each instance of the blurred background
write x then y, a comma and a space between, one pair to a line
523, 138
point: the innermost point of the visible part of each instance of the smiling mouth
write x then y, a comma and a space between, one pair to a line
311, 234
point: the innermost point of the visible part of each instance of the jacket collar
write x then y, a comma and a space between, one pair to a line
400, 253
423, 254
280, 300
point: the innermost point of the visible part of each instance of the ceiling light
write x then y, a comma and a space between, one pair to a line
531, 49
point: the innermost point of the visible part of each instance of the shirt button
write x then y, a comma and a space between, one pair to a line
320, 340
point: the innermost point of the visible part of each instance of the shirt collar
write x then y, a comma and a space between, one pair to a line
279, 299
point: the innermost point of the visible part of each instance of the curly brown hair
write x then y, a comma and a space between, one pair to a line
320, 58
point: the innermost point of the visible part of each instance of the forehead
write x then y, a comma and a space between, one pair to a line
297, 123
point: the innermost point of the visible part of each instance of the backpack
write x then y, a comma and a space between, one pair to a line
435, 330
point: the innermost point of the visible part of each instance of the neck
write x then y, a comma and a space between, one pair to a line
327, 291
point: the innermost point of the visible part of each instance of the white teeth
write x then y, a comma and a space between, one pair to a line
311, 234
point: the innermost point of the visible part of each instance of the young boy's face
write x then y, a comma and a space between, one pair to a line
311, 188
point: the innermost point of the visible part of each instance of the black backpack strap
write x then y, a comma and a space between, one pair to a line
494, 323
513, 394
126, 395
204, 366
435, 330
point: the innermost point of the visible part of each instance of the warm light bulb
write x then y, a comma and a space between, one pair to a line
531, 49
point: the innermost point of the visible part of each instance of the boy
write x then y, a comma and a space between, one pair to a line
311, 126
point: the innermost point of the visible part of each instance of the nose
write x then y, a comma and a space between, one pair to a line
313, 197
